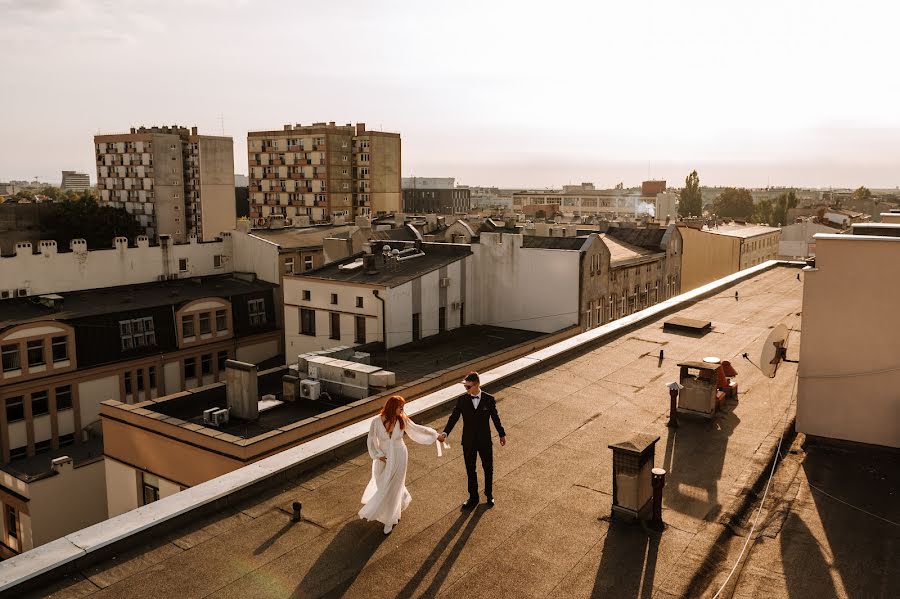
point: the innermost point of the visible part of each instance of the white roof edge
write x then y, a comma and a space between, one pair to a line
33, 563
855, 237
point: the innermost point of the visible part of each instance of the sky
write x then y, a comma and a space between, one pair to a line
509, 94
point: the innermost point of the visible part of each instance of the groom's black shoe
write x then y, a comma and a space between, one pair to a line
471, 503
490, 502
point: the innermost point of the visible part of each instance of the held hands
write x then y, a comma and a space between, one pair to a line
383, 459
442, 437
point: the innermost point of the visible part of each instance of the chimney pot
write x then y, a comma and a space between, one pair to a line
241, 390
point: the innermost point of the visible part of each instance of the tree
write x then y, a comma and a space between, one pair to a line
783, 203
86, 219
734, 203
691, 203
862, 194
763, 212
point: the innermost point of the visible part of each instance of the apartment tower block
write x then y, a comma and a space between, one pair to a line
173, 180
323, 171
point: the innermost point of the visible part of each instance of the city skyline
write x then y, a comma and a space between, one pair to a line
502, 95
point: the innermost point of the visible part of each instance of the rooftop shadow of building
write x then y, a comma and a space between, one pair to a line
628, 562
694, 458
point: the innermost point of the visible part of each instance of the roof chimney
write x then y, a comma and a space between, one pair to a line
241, 389
194, 130
360, 128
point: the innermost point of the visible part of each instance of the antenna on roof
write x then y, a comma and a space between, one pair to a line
773, 352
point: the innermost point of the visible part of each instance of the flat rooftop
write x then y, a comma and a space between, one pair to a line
296, 238
391, 274
742, 231
550, 534
92, 302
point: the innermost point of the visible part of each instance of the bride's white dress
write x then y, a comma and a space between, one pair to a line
386, 495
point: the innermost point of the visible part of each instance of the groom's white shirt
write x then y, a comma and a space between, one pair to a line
476, 399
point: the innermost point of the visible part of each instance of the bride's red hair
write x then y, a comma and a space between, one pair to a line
393, 411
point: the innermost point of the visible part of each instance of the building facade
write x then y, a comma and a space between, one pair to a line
798, 239
455, 200
350, 303
130, 324
174, 181
581, 200
77, 182
848, 376
323, 171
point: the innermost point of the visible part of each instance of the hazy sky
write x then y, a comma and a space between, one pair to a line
540, 94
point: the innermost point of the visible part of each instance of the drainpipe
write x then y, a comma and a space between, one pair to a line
383, 324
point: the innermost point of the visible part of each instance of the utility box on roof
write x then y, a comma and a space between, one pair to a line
632, 465
700, 386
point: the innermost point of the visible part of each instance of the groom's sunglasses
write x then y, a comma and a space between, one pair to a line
468, 386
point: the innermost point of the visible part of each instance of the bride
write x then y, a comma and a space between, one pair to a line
386, 495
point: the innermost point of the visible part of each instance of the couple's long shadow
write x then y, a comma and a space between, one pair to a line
450, 559
337, 568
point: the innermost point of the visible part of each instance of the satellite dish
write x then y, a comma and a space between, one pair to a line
774, 350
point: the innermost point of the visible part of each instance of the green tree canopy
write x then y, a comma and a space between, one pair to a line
862, 194
763, 212
691, 202
86, 219
783, 203
734, 203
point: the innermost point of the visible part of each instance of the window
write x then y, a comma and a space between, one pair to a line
206, 364
307, 262
360, 336
462, 314
442, 319
306, 295
150, 488
217, 261
205, 325
307, 322
334, 300
40, 403
59, 349
257, 309
182, 264
15, 408
187, 325
190, 368
63, 398
36, 353
12, 521
359, 302
42, 446
151, 374
10, 357
137, 332
289, 266
335, 319
127, 380
416, 326
65, 440
139, 376
221, 320
221, 358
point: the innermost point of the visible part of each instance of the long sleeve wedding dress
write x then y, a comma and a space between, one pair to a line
386, 495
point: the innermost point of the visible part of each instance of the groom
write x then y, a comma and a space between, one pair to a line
476, 408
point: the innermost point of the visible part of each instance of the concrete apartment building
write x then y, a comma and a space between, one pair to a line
425, 195
73, 181
81, 327
848, 375
323, 171
798, 239
175, 181
585, 200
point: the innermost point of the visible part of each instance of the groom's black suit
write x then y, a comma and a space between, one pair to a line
476, 438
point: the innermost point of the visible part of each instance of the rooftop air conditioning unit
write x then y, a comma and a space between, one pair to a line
23, 292
310, 389
444, 282
219, 417
6, 294
207, 415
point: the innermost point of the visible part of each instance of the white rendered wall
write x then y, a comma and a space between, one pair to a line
54, 272
121, 487
524, 288
91, 393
